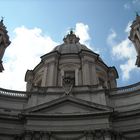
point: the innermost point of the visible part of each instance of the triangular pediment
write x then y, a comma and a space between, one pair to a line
67, 105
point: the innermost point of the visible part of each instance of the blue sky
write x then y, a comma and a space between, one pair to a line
36, 26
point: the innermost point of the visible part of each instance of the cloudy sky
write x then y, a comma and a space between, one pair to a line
35, 27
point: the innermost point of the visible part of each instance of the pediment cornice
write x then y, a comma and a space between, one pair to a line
68, 105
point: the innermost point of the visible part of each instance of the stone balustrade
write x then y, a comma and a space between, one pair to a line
7, 92
120, 90
126, 89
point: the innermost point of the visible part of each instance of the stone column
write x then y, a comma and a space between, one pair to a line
16, 137
119, 136
89, 136
107, 135
27, 136
45, 136
86, 74
51, 76
37, 135
93, 75
44, 77
61, 77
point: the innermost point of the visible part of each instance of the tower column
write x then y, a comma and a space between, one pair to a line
137, 44
135, 37
4, 42
138, 34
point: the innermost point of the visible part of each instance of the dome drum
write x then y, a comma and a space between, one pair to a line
72, 57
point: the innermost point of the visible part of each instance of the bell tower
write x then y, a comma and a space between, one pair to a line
4, 42
135, 37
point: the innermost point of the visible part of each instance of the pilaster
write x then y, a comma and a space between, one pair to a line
93, 77
61, 76
86, 74
28, 136
44, 77
51, 76
76, 77
45, 136
107, 135
90, 135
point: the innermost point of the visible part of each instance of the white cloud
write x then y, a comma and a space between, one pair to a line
136, 1
128, 67
123, 50
127, 6
111, 37
24, 53
133, 4
128, 28
81, 30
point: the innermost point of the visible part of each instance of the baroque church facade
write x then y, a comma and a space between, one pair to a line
71, 95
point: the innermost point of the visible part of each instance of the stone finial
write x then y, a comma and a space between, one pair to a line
71, 38
137, 16
137, 13
71, 31
2, 20
1, 24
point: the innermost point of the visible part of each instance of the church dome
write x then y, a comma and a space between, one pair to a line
71, 45
71, 62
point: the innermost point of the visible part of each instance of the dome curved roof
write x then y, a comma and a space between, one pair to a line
70, 48
71, 45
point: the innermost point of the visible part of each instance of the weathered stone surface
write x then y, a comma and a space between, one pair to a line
71, 95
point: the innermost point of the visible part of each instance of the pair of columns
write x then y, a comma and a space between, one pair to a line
102, 135
47, 136
36, 136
